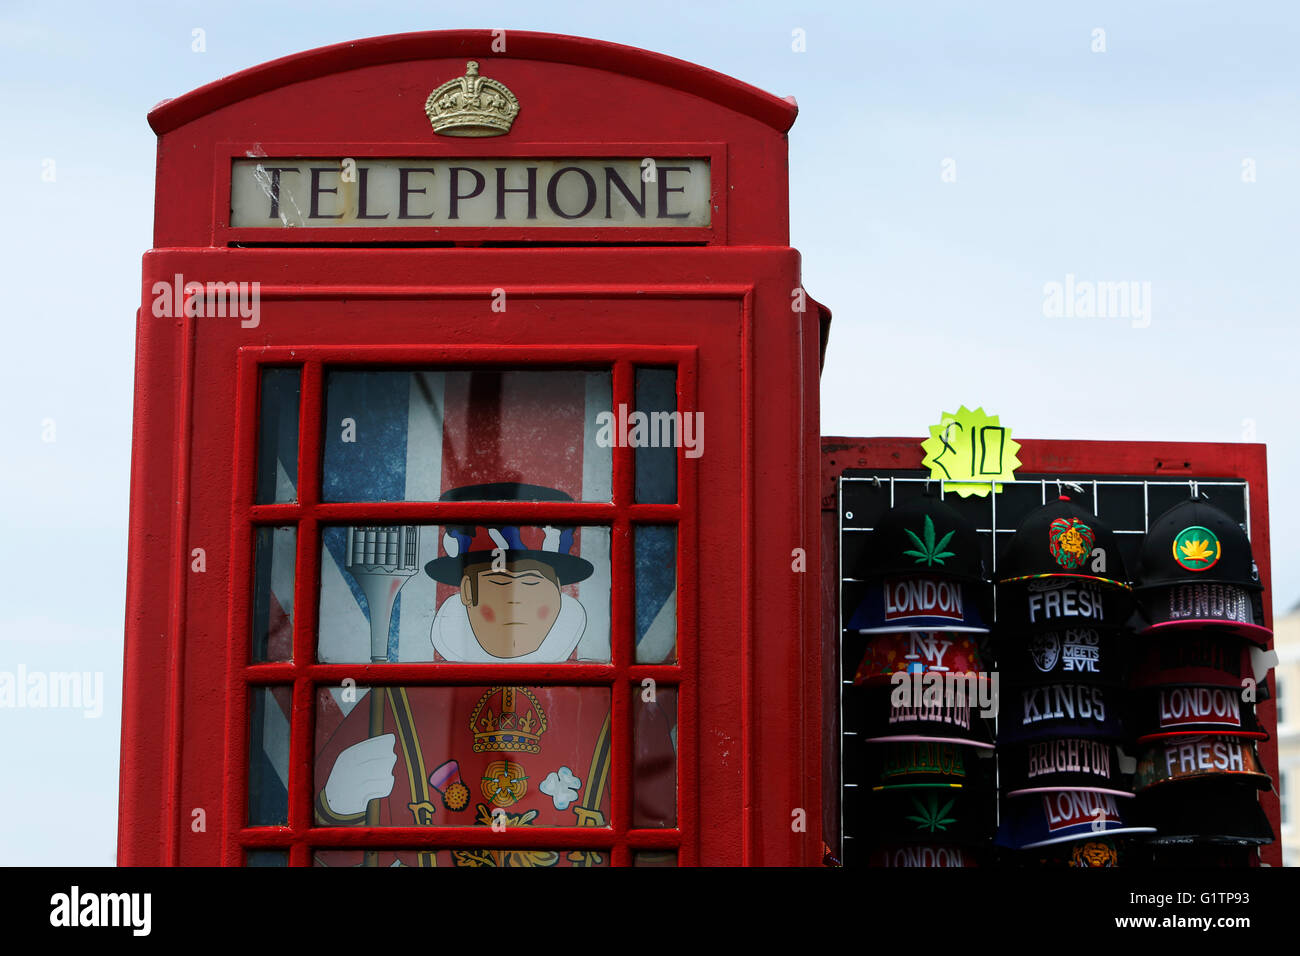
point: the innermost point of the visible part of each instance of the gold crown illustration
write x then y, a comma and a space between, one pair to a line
471, 105
501, 726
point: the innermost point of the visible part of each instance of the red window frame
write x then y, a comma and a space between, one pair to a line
303, 674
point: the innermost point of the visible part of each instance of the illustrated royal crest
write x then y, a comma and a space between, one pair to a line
926, 550
1070, 541
471, 105
1197, 548
504, 782
503, 858
508, 720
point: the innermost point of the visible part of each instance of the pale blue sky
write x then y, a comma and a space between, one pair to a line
1123, 165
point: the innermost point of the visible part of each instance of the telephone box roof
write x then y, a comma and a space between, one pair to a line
615, 57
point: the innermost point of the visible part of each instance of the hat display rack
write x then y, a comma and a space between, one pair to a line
1064, 601
1126, 732
1202, 662
924, 687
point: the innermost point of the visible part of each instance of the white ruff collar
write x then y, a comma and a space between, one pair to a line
454, 639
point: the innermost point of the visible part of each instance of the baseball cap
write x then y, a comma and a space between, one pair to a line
1179, 759
959, 816
1063, 540
908, 717
920, 765
1062, 816
1195, 541
1050, 602
1208, 810
1085, 655
1206, 605
1187, 710
1062, 763
1059, 709
922, 855
919, 602
1193, 656
924, 535
917, 652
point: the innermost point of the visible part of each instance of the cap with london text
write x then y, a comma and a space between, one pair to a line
1063, 816
1062, 540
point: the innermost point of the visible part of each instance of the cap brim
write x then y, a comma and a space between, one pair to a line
1254, 633
1032, 790
1118, 831
926, 738
1121, 585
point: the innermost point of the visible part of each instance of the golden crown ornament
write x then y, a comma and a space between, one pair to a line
471, 105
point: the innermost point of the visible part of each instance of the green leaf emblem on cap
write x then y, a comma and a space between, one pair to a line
932, 817
1197, 548
928, 551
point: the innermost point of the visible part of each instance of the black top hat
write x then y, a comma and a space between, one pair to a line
923, 536
1062, 540
471, 544
1196, 542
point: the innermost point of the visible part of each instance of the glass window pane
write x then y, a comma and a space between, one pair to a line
273, 572
655, 550
466, 435
656, 450
454, 593
266, 858
466, 857
277, 442
462, 756
654, 758
268, 755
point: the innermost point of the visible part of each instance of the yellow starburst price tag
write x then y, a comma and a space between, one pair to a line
971, 452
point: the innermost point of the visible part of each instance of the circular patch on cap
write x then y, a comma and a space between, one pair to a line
1070, 542
1197, 548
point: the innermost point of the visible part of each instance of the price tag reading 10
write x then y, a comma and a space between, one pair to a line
970, 452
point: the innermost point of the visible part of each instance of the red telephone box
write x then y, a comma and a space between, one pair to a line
474, 506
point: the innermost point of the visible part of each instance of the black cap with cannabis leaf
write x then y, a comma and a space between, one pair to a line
1196, 542
923, 536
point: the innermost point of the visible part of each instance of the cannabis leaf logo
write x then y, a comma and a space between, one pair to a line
932, 818
1196, 548
927, 551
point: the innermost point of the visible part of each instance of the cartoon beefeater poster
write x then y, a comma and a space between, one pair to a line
470, 756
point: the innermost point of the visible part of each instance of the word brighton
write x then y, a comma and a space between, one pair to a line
651, 430
926, 696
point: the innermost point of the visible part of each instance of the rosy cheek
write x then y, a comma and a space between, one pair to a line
486, 614
543, 612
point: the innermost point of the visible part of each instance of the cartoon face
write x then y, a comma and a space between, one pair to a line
511, 609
